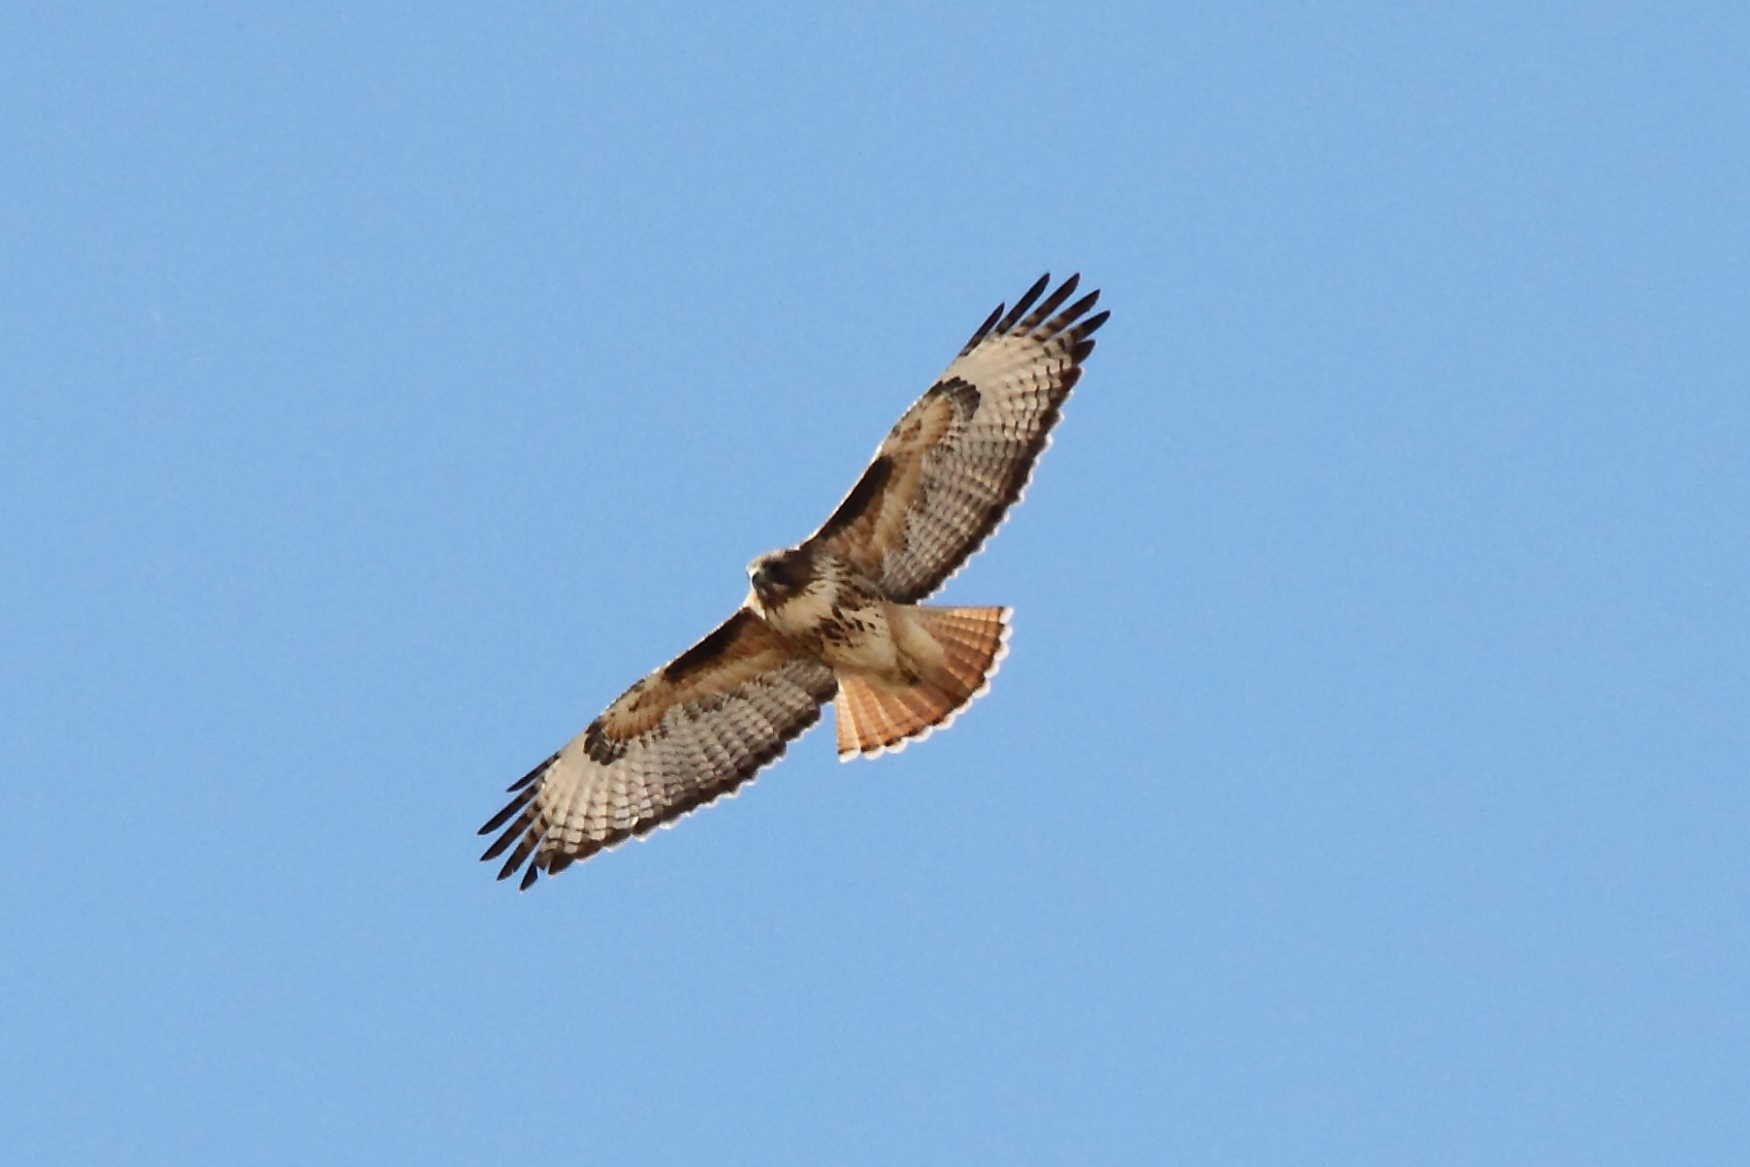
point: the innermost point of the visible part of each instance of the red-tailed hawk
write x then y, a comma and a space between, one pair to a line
834, 619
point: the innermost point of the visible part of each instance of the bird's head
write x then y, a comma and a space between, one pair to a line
778, 575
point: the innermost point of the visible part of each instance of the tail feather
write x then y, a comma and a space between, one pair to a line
874, 718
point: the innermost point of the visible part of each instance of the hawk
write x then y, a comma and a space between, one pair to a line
836, 618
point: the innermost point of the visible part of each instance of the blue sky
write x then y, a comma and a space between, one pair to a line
383, 388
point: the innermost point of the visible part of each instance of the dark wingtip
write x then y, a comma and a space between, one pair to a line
502, 817
1024, 303
532, 774
984, 329
1085, 343
1049, 305
1075, 310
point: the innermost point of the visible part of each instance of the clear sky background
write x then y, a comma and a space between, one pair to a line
383, 388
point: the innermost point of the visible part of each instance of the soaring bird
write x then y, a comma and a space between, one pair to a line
835, 618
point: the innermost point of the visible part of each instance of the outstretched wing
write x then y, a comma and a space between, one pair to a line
690, 732
961, 456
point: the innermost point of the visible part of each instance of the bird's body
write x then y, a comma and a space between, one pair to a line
902, 668
825, 604
836, 617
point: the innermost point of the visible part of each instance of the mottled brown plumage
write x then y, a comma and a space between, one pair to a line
835, 618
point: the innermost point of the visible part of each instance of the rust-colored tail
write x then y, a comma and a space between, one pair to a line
874, 718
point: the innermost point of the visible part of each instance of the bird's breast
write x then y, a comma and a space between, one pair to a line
846, 627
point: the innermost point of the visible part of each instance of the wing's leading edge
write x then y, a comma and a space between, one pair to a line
691, 732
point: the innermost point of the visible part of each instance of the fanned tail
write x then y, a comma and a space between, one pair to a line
875, 718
